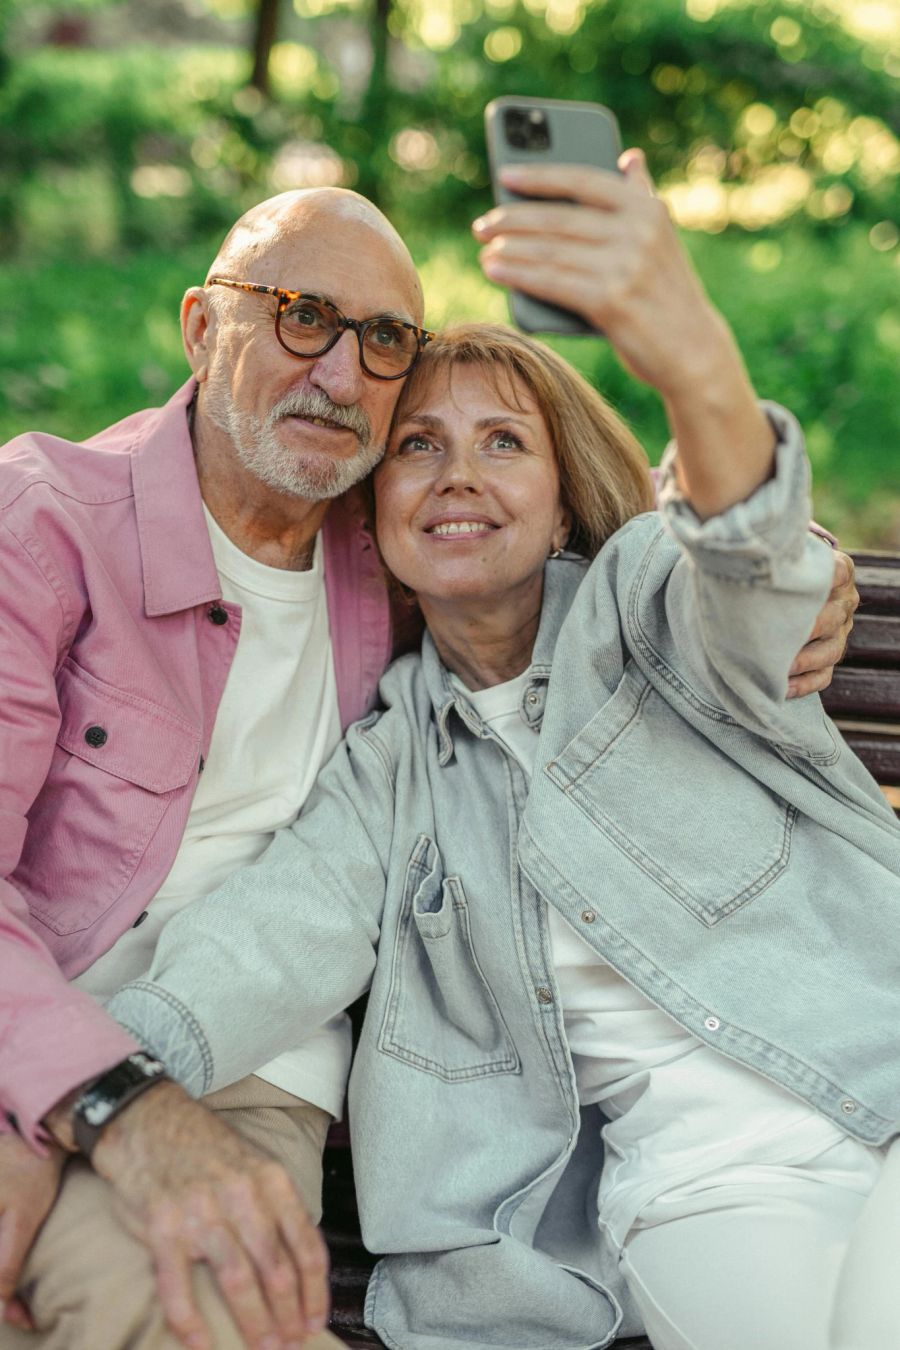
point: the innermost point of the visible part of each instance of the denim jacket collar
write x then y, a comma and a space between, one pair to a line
562, 577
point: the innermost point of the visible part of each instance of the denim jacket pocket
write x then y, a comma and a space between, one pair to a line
708, 832
441, 1015
119, 761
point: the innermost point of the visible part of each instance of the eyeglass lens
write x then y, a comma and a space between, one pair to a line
388, 348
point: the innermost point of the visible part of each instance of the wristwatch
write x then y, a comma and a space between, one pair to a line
103, 1099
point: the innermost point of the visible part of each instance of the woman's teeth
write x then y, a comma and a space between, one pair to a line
461, 527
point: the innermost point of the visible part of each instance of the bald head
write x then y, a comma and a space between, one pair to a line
275, 423
282, 231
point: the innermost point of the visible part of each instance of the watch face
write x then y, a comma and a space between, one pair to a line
116, 1085
95, 1110
109, 1094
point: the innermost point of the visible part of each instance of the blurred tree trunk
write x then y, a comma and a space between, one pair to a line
373, 114
264, 35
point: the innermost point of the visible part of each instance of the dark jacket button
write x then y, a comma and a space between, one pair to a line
216, 614
96, 737
139, 920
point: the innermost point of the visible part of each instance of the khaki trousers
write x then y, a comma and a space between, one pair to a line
89, 1284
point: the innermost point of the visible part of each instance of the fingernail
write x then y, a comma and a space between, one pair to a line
316, 1324
511, 174
480, 224
270, 1343
492, 268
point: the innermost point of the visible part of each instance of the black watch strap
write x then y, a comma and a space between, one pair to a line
103, 1099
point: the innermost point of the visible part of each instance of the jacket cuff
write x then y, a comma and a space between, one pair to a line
167, 1028
86, 1044
747, 541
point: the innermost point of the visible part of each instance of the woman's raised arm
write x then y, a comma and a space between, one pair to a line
611, 253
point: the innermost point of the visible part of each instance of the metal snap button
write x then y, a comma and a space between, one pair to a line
712, 1023
848, 1107
544, 995
216, 614
588, 915
96, 737
532, 698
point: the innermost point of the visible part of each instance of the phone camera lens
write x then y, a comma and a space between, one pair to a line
527, 129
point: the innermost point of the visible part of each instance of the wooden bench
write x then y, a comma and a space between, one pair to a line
864, 696
864, 700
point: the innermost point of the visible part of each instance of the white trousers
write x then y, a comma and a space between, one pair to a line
866, 1308
748, 1257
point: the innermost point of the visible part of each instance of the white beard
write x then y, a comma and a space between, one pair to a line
314, 477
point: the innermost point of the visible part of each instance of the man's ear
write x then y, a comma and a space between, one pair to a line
195, 322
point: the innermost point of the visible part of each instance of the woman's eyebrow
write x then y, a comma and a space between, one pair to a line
430, 420
421, 419
500, 419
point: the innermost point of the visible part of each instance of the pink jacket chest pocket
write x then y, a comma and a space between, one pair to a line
118, 764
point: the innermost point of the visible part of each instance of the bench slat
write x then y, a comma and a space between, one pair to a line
875, 640
880, 754
878, 582
864, 692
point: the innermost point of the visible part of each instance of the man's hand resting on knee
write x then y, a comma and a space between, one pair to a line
193, 1190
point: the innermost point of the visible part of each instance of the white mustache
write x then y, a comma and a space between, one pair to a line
315, 403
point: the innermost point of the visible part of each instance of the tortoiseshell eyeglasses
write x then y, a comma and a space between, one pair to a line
309, 325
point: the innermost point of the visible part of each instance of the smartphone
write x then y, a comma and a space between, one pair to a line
547, 131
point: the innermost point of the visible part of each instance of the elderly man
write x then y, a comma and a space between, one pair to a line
148, 750
185, 632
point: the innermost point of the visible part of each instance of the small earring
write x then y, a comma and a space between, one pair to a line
556, 553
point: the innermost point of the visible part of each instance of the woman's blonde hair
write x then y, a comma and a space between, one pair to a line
604, 474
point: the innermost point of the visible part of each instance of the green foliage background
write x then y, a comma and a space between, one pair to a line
122, 162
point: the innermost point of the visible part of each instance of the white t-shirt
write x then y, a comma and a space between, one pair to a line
277, 723
677, 1108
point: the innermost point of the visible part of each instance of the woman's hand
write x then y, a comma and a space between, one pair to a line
611, 253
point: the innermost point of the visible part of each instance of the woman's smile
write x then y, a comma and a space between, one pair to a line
468, 494
461, 529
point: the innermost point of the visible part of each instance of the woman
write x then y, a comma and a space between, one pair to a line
615, 1068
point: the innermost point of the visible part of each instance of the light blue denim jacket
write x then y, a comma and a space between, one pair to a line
719, 846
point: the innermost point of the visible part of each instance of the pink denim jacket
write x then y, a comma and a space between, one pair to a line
114, 651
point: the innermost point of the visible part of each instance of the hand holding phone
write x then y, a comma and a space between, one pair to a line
603, 246
532, 131
586, 249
